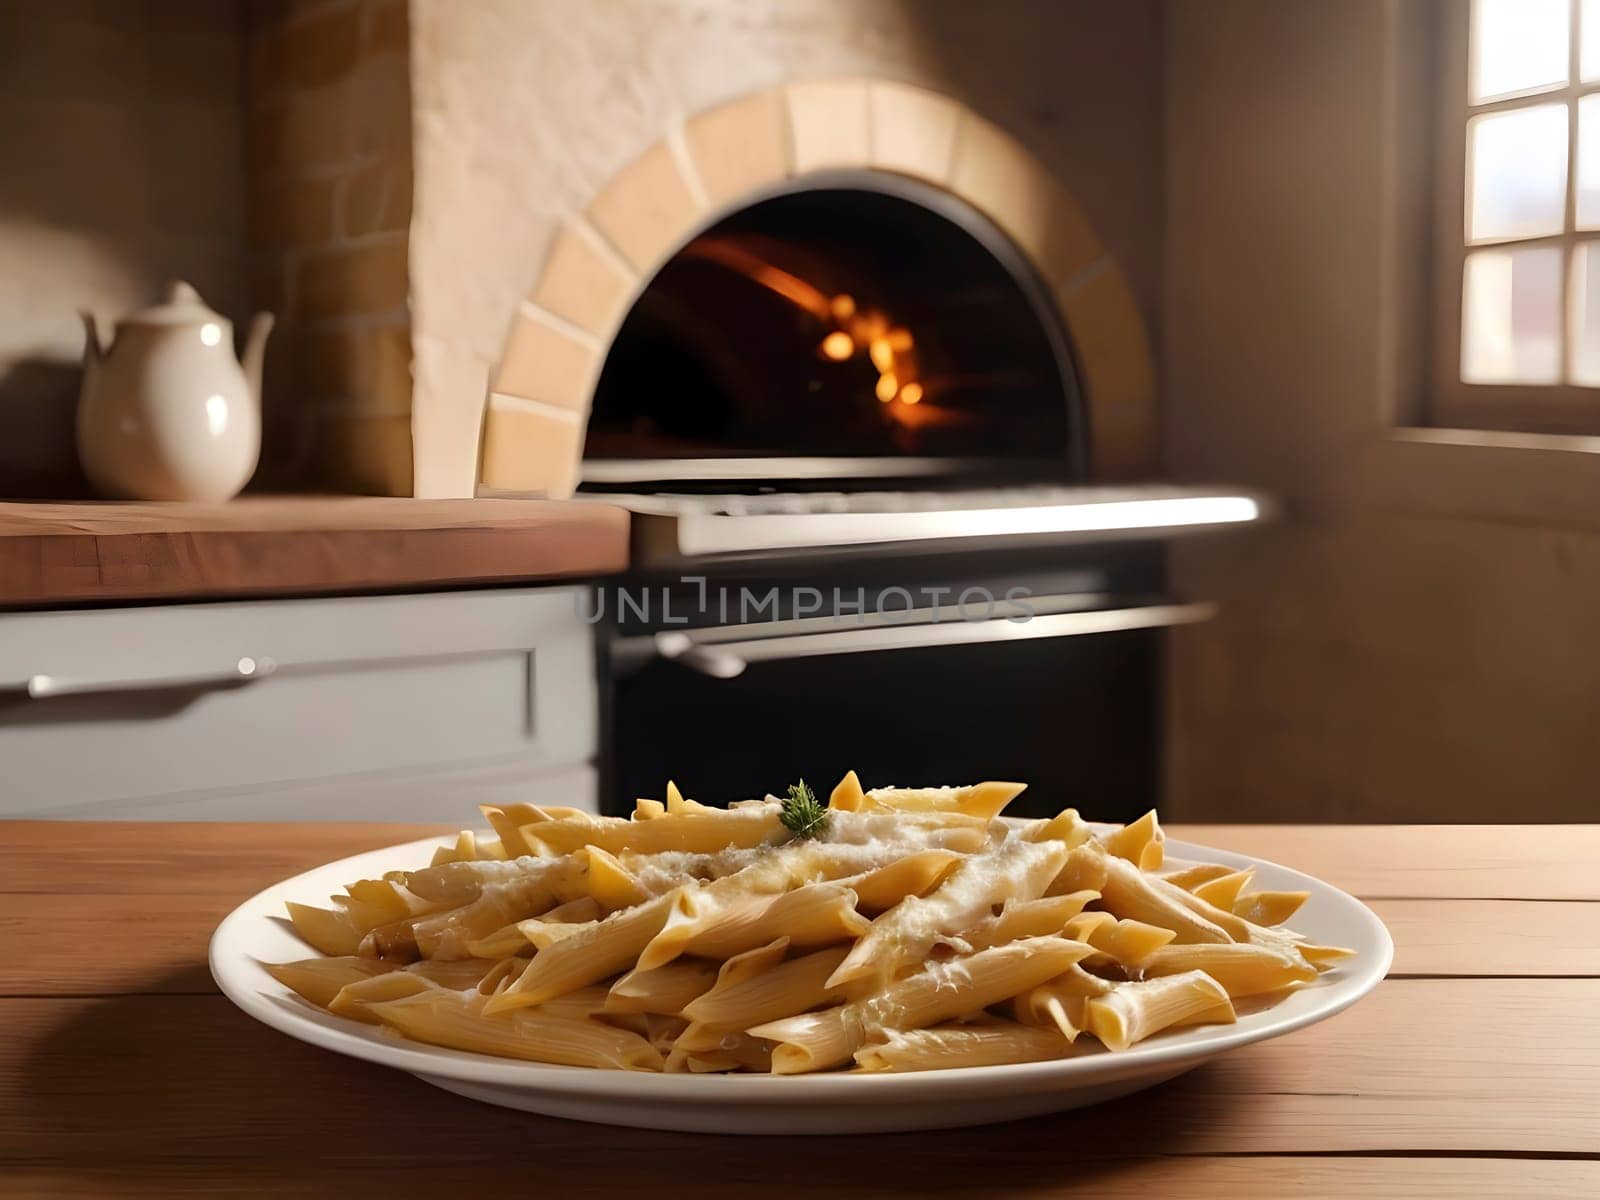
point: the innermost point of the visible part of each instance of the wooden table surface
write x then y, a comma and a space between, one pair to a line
297, 545
1474, 1069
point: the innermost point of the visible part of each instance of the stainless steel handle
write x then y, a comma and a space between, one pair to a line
711, 654
245, 670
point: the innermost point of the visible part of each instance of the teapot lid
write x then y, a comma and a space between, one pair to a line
181, 306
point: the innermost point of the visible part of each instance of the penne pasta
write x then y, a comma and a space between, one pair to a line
1129, 892
702, 830
669, 989
582, 1003
847, 796
814, 915
948, 1046
529, 888
355, 999
1059, 1002
573, 912
982, 800
319, 980
1139, 843
1223, 890
504, 942
733, 1052
1268, 908
1066, 826
1323, 956
450, 885
759, 987
1241, 968
1125, 942
1131, 1012
612, 885
1084, 870
1026, 918
914, 875
446, 1018
328, 931
1017, 870
659, 1029
591, 953
895, 929
501, 975
508, 821
1189, 878
939, 992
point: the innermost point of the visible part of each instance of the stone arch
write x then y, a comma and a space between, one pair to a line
718, 160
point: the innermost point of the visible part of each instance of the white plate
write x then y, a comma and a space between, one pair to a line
256, 932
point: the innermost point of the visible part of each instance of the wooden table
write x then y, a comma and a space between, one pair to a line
1473, 1070
297, 545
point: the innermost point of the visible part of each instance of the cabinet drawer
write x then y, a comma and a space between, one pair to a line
121, 705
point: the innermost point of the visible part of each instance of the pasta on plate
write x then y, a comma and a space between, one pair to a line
896, 929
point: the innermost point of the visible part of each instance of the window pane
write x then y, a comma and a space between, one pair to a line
1511, 316
1589, 46
1517, 46
1586, 314
1587, 214
1517, 164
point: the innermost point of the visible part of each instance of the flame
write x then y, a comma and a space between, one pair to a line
882, 354
791, 287
889, 347
838, 346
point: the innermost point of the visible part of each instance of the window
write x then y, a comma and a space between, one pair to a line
1518, 250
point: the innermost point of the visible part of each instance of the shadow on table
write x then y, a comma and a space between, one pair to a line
185, 1091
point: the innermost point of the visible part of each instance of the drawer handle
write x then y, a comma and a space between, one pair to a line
246, 670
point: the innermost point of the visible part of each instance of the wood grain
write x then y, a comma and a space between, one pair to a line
1493, 937
122, 1073
258, 546
237, 859
1284, 1177
71, 944
1480, 862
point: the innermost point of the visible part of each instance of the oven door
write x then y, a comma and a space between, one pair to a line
1067, 700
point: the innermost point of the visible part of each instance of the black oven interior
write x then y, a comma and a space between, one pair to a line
876, 322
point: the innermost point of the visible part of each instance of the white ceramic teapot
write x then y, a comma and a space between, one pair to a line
167, 412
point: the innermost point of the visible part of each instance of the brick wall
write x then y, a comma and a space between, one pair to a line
328, 143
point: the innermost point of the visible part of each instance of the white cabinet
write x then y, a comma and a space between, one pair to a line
371, 708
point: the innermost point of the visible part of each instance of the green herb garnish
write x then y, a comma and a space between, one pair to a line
801, 813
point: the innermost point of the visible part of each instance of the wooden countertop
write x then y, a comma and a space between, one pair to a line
1474, 1069
310, 545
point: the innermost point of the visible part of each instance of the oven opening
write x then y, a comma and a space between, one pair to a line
842, 331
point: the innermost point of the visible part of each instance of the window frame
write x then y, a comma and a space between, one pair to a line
1562, 407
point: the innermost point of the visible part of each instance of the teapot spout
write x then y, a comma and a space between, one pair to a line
255, 350
91, 342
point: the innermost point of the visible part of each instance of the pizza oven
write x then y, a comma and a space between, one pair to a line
885, 421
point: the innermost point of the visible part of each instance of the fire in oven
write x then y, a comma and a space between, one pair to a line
868, 532
889, 329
